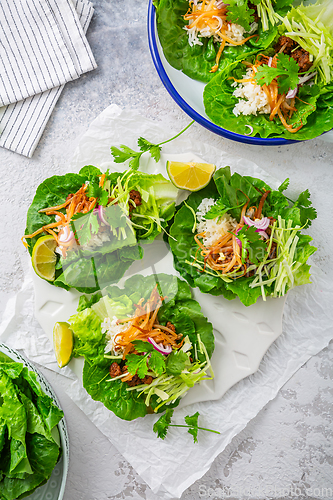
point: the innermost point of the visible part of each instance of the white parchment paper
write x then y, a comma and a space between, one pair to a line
171, 466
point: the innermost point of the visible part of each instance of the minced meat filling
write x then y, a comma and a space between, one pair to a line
290, 47
136, 197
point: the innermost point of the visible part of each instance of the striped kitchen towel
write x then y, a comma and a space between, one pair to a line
39, 53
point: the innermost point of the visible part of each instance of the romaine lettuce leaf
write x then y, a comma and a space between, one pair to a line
28, 452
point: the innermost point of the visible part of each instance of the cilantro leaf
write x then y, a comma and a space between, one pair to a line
142, 346
125, 153
252, 244
286, 73
157, 362
162, 425
95, 191
137, 364
240, 13
192, 422
284, 185
219, 209
176, 362
307, 212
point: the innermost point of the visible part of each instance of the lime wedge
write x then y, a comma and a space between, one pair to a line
191, 176
43, 257
63, 343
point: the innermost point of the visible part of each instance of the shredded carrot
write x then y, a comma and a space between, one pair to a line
75, 203
224, 254
144, 324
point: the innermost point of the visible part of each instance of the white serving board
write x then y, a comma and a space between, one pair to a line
242, 334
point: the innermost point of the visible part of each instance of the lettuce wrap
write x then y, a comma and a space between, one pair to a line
197, 61
237, 237
28, 450
302, 108
134, 368
106, 216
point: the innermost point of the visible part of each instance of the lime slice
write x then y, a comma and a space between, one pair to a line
62, 343
43, 257
191, 176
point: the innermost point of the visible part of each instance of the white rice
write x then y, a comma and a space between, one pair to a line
213, 228
235, 31
253, 100
112, 329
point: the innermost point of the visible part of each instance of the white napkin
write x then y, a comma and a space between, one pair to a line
57, 28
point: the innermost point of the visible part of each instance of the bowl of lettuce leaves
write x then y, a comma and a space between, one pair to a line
98, 221
207, 76
237, 237
33, 434
145, 344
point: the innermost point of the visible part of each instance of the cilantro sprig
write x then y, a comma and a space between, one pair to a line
219, 209
252, 244
239, 12
303, 202
125, 153
192, 425
146, 358
285, 73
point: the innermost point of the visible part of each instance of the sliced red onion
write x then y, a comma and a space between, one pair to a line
270, 62
220, 4
251, 129
160, 347
66, 236
292, 93
260, 224
101, 215
263, 234
303, 79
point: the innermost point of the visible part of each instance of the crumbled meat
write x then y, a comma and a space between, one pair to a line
136, 197
135, 381
290, 47
255, 15
302, 57
285, 45
171, 326
147, 379
115, 370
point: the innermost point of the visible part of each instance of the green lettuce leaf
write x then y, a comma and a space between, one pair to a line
233, 191
90, 268
178, 307
197, 61
314, 109
28, 452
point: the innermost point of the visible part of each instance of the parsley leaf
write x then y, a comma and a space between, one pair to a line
162, 425
252, 244
240, 13
286, 73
